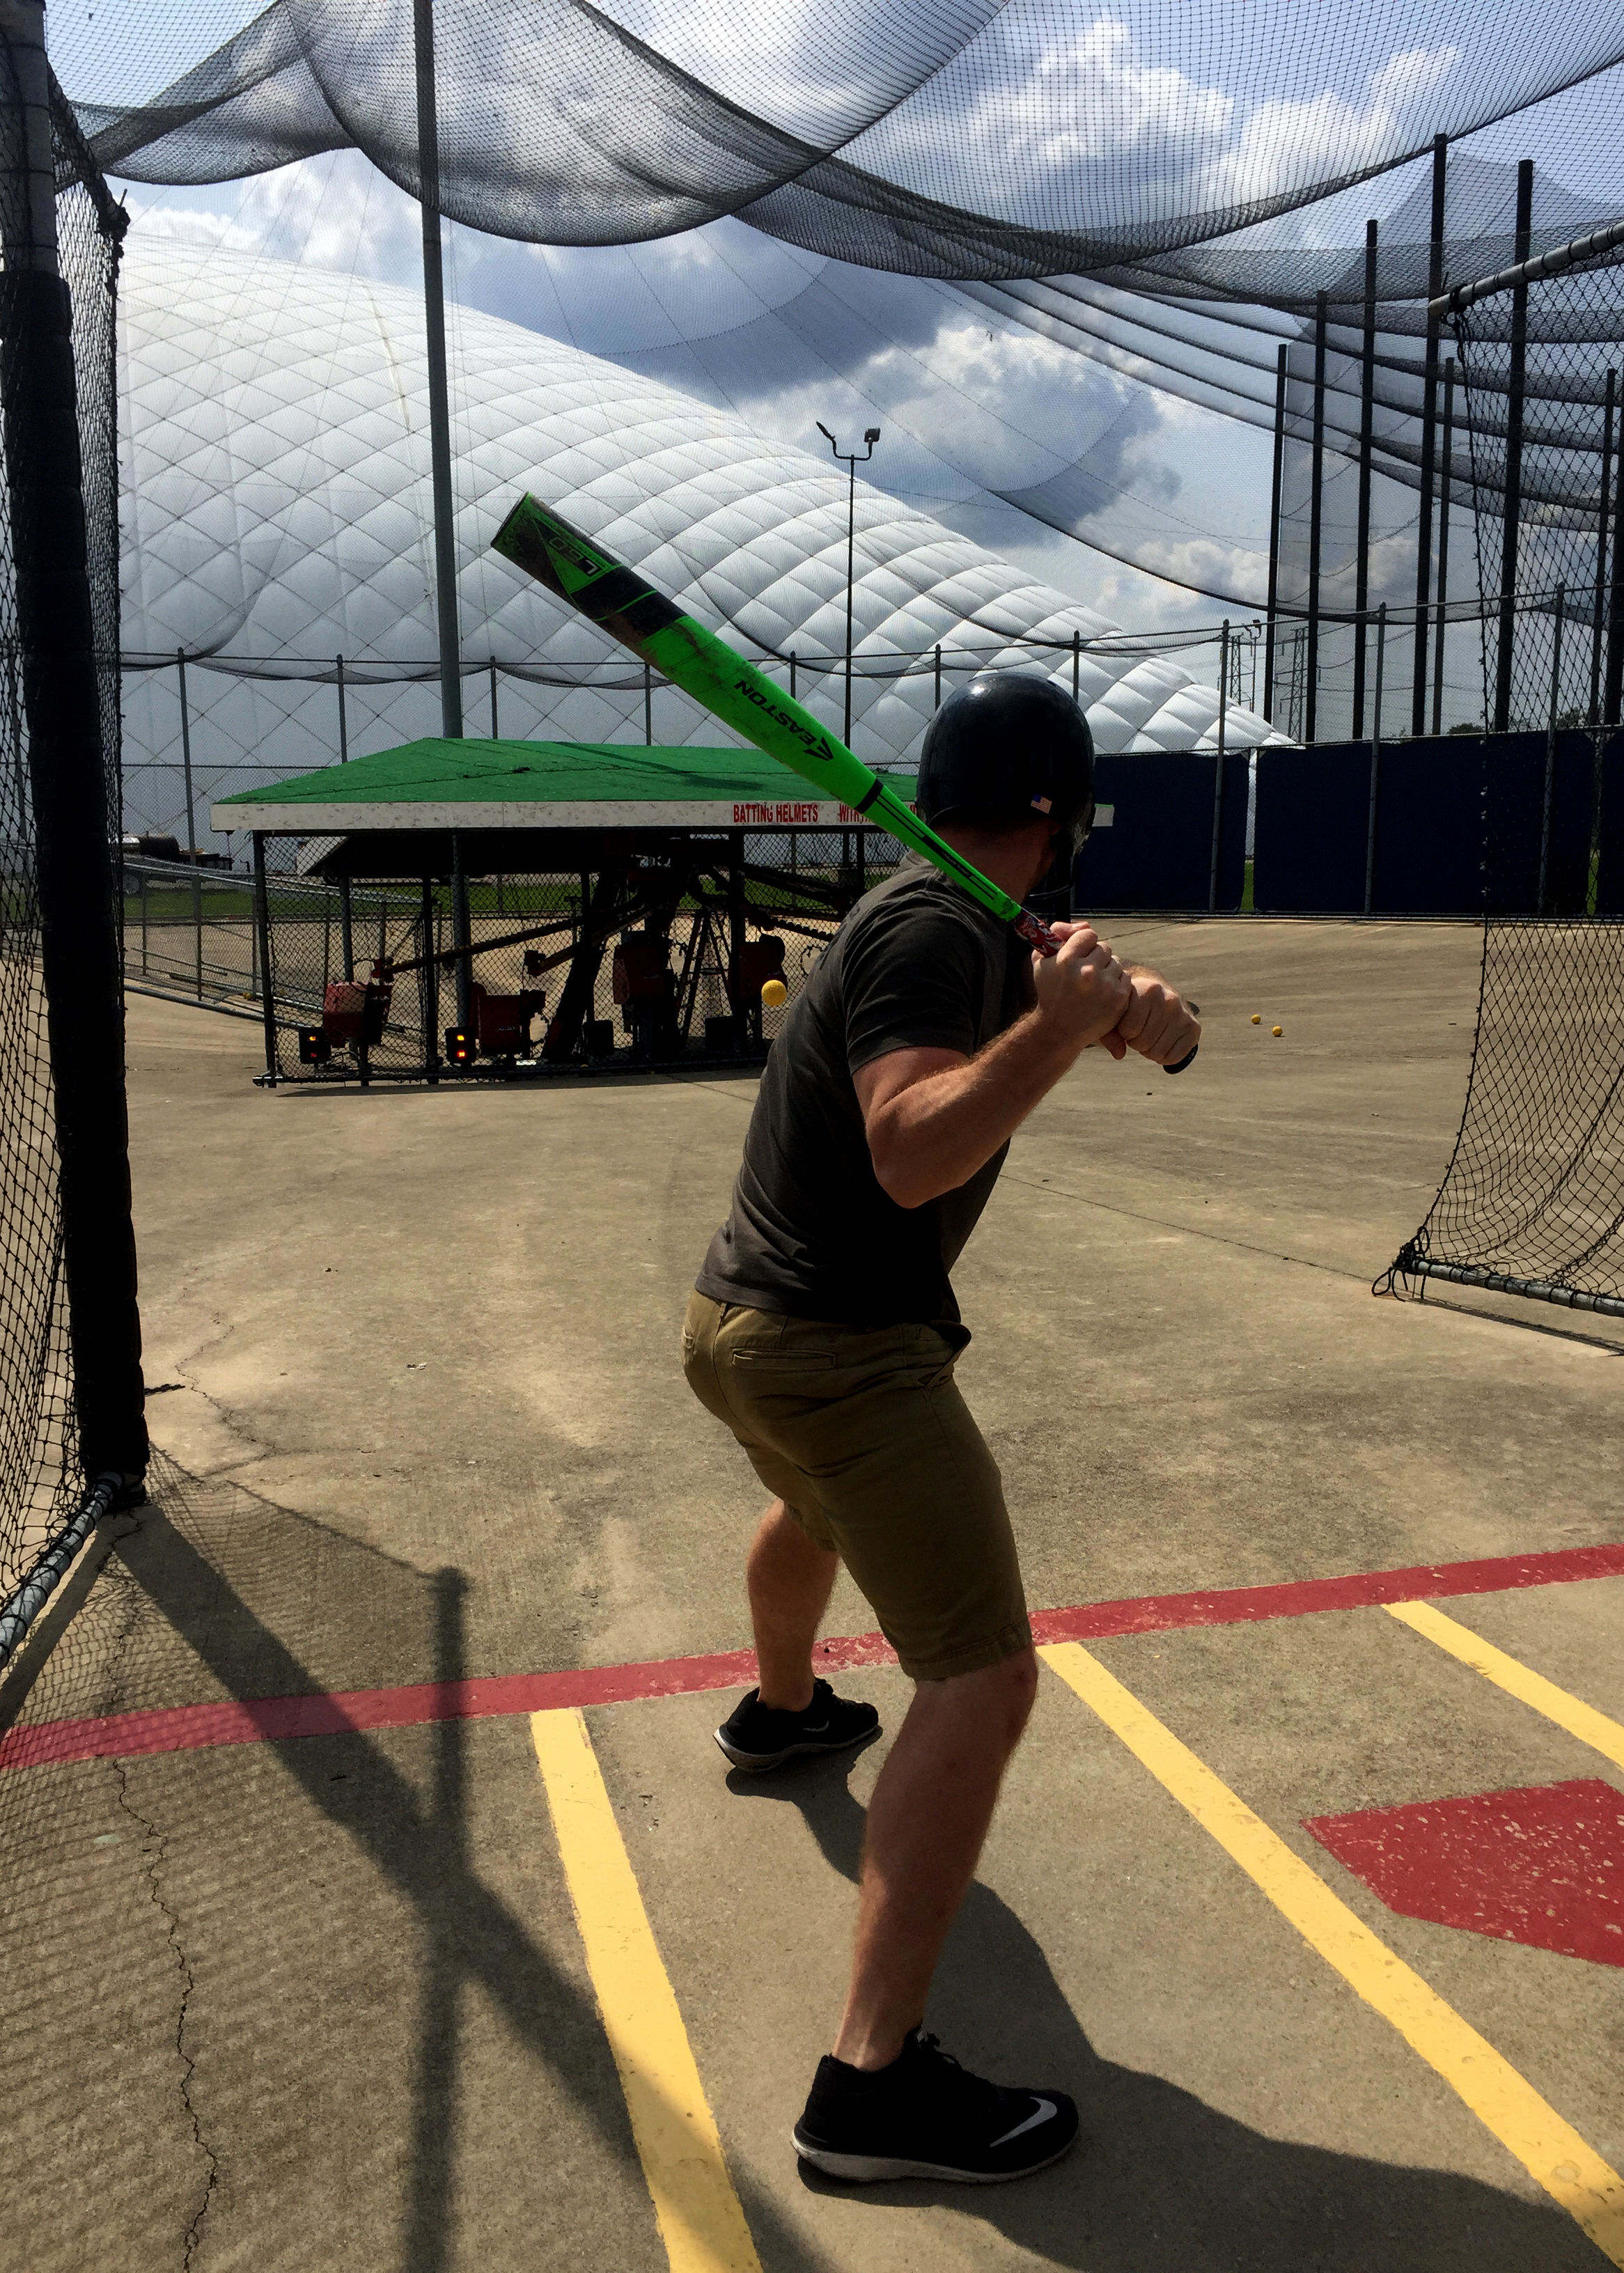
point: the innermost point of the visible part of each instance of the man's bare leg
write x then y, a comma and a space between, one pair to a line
927, 1821
790, 1579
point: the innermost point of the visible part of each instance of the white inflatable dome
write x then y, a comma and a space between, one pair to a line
276, 515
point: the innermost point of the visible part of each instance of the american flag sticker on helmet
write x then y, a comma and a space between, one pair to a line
1043, 804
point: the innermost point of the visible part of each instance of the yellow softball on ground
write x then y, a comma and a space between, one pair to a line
1277, 1031
774, 992
1257, 1018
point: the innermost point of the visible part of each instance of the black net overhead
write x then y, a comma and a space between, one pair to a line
960, 138
38, 1435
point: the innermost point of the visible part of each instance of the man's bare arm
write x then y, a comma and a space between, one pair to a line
933, 1117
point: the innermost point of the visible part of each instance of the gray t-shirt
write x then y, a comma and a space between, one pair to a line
811, 1233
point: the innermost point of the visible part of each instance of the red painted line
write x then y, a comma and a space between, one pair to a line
192, 1728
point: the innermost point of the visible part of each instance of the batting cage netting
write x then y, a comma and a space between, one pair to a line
71, 1441
1532, 1201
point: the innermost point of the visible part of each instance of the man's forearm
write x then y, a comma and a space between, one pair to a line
937, 1133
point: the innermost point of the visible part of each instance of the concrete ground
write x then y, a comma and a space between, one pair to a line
322, 2002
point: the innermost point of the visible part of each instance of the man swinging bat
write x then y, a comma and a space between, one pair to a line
824, 1332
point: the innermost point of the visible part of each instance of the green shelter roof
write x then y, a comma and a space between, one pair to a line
439, 784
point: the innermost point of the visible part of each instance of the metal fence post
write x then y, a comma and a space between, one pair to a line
1446, 454
262, 927
1223, 696
1511, 520
429, 988
495, 729
1282, 367
1375, 765
1556, 693
343, 722
1367, 413
1316, 527
191, 826
462, 933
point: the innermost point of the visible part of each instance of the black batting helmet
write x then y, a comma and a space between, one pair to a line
1009, 746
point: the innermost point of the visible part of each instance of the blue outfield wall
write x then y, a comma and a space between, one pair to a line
1156, 851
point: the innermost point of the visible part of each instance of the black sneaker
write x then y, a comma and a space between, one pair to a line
757, 1736
925, 2117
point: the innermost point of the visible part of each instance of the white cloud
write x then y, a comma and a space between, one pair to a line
1287, 145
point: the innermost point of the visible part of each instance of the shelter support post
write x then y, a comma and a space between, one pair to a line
1613, 693
439, 398
1446, 459
1316, 520
744, 1026
1367, 414
68, 768
1281, 370
1513, 513
462, 933
428, 985
1429, 434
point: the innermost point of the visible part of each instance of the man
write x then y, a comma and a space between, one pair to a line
824, 1332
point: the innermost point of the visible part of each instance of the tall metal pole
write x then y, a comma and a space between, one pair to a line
462, 933
1316, 514
1367, 419
1513, 511
1446, 462
1281, 356
343, 720
439, 400
851, 461
1375, 765
1603, 499
648, 706
496, 731
262, 933
1429, 435
80, 920
1223, 695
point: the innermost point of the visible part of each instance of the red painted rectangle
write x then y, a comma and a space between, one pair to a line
190, 1728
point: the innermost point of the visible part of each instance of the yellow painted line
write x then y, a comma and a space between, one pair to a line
700, 2219
1549, 2149
1520, 1681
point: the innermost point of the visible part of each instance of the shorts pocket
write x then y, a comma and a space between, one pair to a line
782, 1361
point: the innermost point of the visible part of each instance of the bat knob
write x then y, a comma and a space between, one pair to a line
1184, 1061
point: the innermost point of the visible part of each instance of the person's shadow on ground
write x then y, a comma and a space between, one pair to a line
1161, 2183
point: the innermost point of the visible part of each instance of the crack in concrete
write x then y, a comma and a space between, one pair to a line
154, 1847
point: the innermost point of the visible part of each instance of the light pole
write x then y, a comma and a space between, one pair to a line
850, 460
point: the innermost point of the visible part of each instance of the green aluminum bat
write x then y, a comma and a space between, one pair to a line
626, 605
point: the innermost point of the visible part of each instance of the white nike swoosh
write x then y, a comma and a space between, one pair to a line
1045, 2109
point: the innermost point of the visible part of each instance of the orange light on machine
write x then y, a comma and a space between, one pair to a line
459, 1047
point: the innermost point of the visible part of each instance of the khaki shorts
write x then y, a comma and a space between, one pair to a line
866, 1439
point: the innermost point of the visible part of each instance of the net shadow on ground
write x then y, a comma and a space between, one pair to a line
1163, 2181
221, 1589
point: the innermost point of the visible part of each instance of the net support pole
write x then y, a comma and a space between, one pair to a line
346, 927
1446, 459
1429, 434
648, 706
68, 770
936, 704
1316, 520
1603, 499
1281, 368
496, 731
1077, 666
343, 716
1512, 506
1556, 691
439, 397
1367, 419
1223, 694
1375, 762
262, 933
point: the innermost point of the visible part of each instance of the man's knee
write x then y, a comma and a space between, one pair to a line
997, 1700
